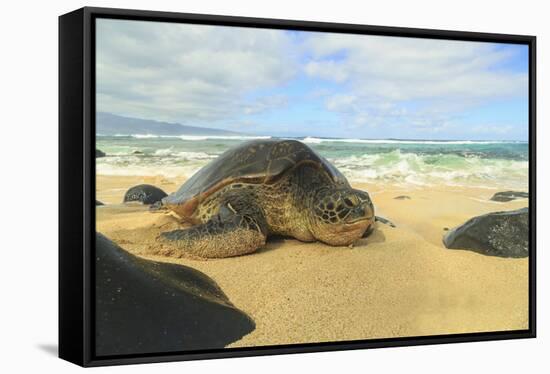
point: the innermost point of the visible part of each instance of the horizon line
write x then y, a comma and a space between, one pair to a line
292, 136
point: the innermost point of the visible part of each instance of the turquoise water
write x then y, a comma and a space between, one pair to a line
421, 163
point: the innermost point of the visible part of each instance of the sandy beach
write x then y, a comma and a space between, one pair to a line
398, 282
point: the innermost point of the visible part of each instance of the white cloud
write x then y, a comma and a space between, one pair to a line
492, 129
328, 69
410, 68
224, 76
342, 102
187, 73
384, 74
266, 103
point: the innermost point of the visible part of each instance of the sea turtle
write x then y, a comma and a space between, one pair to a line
265, 187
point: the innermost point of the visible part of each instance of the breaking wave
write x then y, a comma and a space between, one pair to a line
430, 170
313, 140
412, 163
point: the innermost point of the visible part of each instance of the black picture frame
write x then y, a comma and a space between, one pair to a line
77, 183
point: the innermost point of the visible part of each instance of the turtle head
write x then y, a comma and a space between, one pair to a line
340, 216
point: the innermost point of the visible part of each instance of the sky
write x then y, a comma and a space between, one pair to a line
296, 83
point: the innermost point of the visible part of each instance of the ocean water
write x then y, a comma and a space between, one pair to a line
491, 164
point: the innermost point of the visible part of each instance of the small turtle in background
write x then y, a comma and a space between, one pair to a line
262, 188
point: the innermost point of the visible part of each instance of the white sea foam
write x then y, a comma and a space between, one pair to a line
228, 137
144, 136
468, 166
407, 169
314, 140
424, 170
189, 156
164, 152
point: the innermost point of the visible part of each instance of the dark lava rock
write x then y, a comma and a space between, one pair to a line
502, 234
97, 203
99, 153
402, 197
149, 307
509, 196
137, 153
145, 193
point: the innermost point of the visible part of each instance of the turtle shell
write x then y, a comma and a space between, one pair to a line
256, 161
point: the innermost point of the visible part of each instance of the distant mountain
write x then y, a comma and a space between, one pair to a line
112, 124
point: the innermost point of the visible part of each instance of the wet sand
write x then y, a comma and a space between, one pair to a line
397, 282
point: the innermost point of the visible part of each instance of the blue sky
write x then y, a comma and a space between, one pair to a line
288, 83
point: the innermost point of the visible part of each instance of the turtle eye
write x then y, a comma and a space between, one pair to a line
351, 200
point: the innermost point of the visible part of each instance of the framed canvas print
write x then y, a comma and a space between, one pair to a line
235, 186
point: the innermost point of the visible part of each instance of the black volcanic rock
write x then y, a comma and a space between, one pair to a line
99, 153
502, 234
509, 196
149, 307
145, 193
98, 203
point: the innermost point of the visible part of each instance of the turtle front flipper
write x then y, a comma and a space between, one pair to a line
229, 233
381, 220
